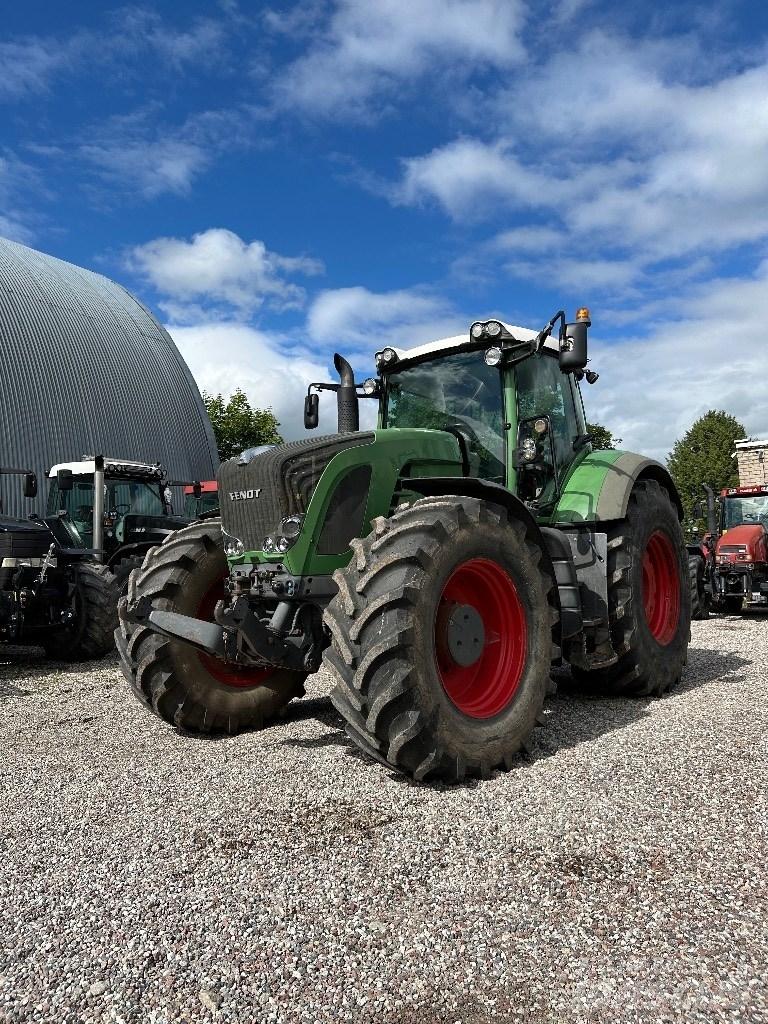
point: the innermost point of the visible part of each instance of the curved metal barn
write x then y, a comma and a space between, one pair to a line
85, 368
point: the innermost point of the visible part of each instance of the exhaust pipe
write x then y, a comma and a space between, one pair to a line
98, 507
346, 397
711, 514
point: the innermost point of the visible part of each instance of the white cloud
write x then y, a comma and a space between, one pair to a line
226, 356
651, 389
371, 45
139, 153
631, 158
30, 64
217, 267
364, 321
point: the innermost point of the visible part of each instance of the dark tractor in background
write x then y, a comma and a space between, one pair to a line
119, 507
53, 593
441, 564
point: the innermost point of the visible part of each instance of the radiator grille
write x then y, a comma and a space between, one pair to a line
284, 477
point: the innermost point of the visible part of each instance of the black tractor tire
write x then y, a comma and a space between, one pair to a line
123, 569
733, 605
389, 634
188, 689
91, 634
648, 664
700, 597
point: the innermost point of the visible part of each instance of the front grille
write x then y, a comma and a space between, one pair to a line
277, 483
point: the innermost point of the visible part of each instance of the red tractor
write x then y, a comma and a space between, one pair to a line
741, 552
730, 567
200, 498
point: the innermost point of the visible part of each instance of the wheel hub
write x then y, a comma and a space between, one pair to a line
464, 634
480, 638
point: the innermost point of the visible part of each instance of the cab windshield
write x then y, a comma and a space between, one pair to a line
121, 497
458, 392
749, 510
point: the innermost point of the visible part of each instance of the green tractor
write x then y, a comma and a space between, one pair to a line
440, 565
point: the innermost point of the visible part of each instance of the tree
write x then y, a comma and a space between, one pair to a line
237, 425
602, 437
705, 455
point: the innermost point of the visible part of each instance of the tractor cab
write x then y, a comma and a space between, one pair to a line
201, 499
118, 507
517, 414
131, 489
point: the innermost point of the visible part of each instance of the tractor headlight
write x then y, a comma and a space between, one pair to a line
493, 355
386, 357
477, 330
233, 546
370, 386
493, 328
528, 449
290, 527
269, 544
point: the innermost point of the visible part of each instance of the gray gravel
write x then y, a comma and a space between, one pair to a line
617, 876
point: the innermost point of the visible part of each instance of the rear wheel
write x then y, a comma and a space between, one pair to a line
188, 688
442, 639
649, 597
91, 632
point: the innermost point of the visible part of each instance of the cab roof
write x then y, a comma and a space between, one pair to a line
112, 467
462, 340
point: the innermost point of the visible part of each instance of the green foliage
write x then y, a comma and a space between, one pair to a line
602, 438
704, 455
237, 425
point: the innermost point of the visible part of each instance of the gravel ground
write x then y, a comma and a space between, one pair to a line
618, 875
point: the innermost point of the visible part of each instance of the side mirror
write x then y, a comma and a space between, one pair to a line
64, 480
311, 411
699, 510
197, 489
573, 346
30, 485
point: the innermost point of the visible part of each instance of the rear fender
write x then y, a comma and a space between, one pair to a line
598, 489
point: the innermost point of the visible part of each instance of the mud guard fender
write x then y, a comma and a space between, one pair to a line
598, 488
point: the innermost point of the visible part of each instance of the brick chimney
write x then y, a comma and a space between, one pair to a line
752, 457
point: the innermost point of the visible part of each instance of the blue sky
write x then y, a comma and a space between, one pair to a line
278, 181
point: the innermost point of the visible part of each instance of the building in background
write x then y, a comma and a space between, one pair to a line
752, 457
86, 369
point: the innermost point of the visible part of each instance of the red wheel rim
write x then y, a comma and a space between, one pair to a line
484, 688
661, 588
222, 671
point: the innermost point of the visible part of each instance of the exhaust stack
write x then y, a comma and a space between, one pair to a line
346, 397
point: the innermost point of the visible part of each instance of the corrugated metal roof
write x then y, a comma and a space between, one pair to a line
86, 368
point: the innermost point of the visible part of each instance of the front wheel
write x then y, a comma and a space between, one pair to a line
90, 632
442, 638
649, 598
701, 601
188, 688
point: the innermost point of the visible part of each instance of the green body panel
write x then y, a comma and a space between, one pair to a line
420, 452
598, 487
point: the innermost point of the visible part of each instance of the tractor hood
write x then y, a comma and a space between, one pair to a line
745, 543
257, 491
